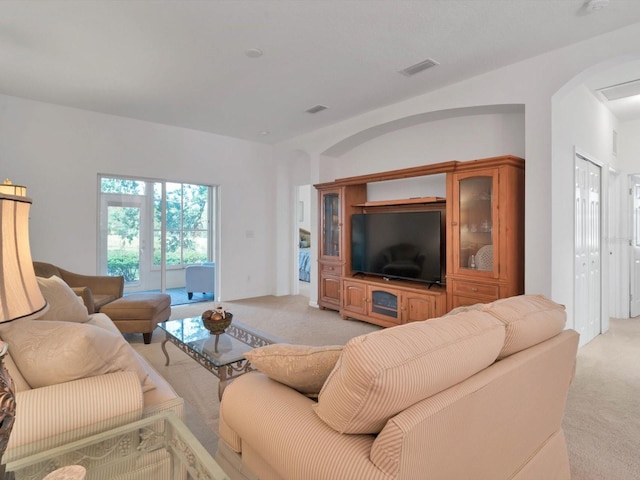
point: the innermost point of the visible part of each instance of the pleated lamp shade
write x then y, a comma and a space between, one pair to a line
20, 295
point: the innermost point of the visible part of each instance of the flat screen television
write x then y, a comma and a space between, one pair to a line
401, 245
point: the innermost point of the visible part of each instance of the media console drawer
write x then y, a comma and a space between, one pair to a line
475, 289
331, 268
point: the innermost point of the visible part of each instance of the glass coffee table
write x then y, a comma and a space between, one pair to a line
222, 355
160, 447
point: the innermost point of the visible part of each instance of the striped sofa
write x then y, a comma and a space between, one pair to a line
477, 394
53, 410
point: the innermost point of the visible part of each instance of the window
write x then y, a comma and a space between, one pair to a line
187, 225
174, 219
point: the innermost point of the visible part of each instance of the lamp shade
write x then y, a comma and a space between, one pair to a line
20, 295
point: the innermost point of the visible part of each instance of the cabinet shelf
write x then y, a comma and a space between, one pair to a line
402, 201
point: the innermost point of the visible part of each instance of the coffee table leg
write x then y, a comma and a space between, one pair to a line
222, 375
164, 348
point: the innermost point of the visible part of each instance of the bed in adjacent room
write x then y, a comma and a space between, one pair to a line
304, 259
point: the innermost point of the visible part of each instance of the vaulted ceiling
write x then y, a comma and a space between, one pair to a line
252, 68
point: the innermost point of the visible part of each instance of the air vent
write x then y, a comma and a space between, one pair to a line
419, 67
316, 109
621, 90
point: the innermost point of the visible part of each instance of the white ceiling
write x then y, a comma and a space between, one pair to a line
184, 62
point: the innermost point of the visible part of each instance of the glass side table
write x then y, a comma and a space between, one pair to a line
159, 447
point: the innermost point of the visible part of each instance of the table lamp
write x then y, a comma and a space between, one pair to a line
20, 295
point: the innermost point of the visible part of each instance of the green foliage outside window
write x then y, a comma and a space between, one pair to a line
124, 263
187, 226
186, 223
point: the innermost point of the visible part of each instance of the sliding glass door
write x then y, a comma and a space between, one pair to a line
151, 230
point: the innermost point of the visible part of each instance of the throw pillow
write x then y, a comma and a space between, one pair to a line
64, 304
303, 368
52, 352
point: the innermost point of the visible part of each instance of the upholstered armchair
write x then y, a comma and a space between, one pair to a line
95, 290
200, 278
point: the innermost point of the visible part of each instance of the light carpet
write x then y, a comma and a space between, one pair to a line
602, 420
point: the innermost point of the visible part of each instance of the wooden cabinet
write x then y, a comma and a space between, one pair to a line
388, 304
484, 241
485, 231
334, 256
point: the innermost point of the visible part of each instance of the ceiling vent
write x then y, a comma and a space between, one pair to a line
419, 67
621, 90
316, 109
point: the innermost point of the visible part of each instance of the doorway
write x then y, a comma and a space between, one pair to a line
151, 230
588, 234
634, 294
303, 240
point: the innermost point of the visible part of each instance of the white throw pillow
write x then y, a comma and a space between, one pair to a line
64, 304
53, 352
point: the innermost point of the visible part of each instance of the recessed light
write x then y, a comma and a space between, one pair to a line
265, 132
253, 52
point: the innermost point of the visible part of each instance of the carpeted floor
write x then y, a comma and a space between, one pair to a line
602, 420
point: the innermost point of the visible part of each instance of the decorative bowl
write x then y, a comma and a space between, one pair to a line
216, 321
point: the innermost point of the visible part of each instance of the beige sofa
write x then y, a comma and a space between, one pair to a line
477, 394
75, 375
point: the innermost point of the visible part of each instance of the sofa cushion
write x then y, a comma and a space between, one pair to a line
52, 352
64, 304
529, 320
382, 373
303, 368
19, 383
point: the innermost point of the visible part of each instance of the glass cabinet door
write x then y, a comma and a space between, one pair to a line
476, 223
331, 225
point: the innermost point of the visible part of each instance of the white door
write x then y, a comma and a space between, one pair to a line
123, 233
587, 266
634, 307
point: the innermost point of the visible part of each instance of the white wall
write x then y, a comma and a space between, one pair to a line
580, 122
57, 152
629, 146
304, 204
458, 138
531, 83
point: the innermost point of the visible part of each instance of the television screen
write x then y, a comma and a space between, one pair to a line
406, 245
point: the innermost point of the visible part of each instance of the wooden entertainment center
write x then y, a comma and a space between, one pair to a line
483, 213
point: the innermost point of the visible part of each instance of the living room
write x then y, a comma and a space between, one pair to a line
539, 108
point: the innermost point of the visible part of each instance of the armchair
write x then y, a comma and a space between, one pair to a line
95, 290
200, 278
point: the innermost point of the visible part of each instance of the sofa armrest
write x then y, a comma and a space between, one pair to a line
51, 416
87, 298
278, 427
